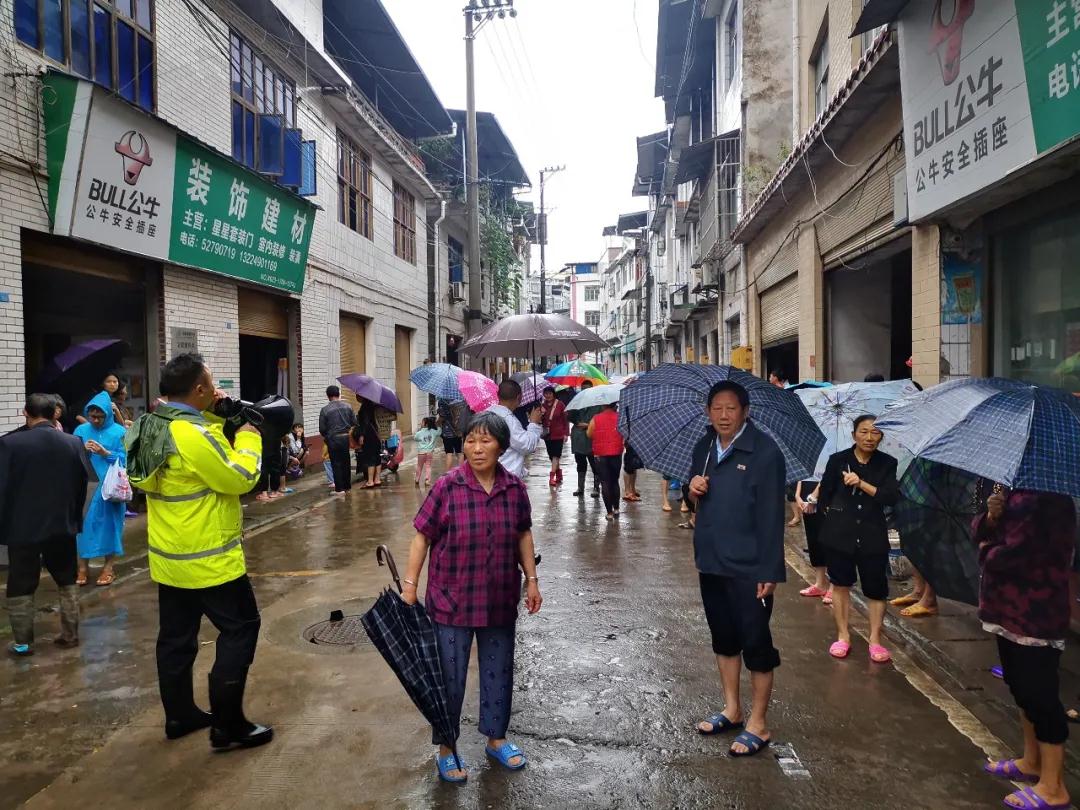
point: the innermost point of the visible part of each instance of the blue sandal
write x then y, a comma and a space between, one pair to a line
504, 754
720, 723
753, 743
450, 763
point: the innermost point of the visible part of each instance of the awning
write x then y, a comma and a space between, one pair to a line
632, 222
877, 13
496, 156
276, 23
652, 151
697, 160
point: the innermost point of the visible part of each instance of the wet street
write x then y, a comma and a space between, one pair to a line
611, 677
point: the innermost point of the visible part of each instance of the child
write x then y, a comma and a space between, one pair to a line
425, 439
297, 450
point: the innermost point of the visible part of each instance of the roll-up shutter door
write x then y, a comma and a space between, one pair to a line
353, 333
780, 312
785, 264
864, 214
262, 315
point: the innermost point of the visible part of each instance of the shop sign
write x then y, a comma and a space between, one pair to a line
985, 92
184, 341
123, 179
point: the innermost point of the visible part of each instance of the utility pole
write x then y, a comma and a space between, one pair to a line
648, 303
477, 12
544, 174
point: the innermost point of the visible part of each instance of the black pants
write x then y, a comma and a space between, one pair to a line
584, 461
24, 565
1031, 674
608, 469
230, 607
739, 621
812, 522
340, 463
872, 571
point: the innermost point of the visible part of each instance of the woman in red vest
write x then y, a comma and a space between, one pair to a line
607, 445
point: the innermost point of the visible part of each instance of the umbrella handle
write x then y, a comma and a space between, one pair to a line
384, 557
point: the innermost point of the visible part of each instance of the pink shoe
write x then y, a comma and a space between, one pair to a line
813, 591
827, 598
840, 649
879, 655
262, 496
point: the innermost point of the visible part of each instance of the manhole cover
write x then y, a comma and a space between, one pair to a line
346, 631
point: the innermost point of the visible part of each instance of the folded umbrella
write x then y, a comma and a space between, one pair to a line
593, 397
479, 392
662, 414
933, 517
533, 335
576, 372
371, 389
439, 380
1014, 433
404, 636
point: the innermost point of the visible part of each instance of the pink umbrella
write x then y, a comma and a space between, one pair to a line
479, 392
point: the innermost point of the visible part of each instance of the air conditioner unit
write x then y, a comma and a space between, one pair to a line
457, 290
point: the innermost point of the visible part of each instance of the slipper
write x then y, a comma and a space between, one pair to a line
1030, 800
719, 723
752, 741
918, 611
446, 764
504, 754
666, 507
812, 591
1072, 715
80, 580
998, 672
686, 525
793, 523
106, 578
840, 649
906, 599
827, 598
879, 655
1007, 769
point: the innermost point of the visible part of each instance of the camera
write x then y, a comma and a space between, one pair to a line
238, 412
272, 416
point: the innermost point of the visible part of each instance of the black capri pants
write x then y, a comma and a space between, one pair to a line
872, 571
1031, 674
739, 621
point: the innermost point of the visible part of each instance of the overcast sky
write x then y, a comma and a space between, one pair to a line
571, 82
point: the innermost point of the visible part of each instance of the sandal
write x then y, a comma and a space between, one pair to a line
813, 591
719, 723
80, 580
906, 599
827, 598
840, 649
504, 754
1072, 715
106, 578
879, 655
666, 507
918, 611
446, 764
1030, 800
753, 743
1007, 769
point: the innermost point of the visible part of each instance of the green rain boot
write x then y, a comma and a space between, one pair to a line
69, 617
21, 615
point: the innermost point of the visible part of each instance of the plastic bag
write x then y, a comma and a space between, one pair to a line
116, 488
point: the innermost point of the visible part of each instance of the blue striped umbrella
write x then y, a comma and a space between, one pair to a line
662, 414
438, 379
1017, 434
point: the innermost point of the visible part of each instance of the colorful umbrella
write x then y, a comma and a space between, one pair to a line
576, 371
479, 392
371, 389
438, 379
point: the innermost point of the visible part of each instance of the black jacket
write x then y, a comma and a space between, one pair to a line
43, 478
740, 520
857, 521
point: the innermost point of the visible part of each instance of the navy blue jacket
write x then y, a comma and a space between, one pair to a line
740, 520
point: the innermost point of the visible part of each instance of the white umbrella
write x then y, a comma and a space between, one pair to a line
598, 395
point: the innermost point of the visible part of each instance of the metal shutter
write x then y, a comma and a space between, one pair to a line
353, 335
864, 214
780, 312
785, 264
262, 315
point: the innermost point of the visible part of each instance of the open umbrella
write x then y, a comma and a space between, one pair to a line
802, 386
575, 372
532, 388
81, 367
404, 636
593, 397
533, 335
479, 392
1017, 434
371, 389
662, 414
933, 518
835, 409
438, 379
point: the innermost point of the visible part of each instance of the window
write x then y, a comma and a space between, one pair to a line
404, 224
592, 293
592, 319
455, 259
111, 43
820, 65
354, 187
731, 40
263, 110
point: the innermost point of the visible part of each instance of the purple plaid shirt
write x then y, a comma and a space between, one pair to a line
473, 578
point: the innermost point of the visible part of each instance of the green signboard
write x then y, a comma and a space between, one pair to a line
123, 179
1050, 40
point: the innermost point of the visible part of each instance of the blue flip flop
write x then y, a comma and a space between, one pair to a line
753, 743
720, 723
450, 763
504, 754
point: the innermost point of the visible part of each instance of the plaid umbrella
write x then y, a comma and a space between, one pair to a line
478, 391
836, 408
575, 371
934, 518
403, 634
532, 388
438, 379
662, 414
1021, 435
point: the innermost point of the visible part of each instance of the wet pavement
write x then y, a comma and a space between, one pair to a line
611, 677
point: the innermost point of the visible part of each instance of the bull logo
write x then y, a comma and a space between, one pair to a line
134, 150
946, 39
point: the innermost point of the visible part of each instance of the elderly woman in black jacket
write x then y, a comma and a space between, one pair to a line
857, 486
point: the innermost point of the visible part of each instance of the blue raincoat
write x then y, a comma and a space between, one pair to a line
103, 527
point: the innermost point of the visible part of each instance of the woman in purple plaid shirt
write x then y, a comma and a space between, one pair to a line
477, 524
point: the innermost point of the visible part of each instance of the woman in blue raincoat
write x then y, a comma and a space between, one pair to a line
103, 526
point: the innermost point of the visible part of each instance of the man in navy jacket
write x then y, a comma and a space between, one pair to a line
738, 486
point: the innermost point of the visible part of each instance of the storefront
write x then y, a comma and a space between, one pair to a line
780, 327
263, 323
352, 333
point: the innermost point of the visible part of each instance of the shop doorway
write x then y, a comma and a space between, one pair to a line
403, 340
784, 358
263, 321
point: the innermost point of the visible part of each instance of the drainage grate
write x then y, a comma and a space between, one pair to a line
346, 631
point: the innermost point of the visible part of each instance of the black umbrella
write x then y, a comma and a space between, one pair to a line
934, 518
406, 639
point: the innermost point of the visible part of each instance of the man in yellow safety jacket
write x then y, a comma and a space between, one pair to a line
193, 477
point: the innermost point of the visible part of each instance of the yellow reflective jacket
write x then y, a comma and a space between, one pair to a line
195, 523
